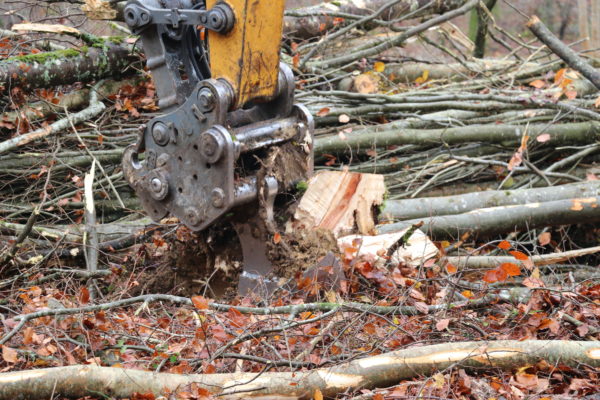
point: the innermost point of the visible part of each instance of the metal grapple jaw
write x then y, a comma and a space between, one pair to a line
191, 168
227, 103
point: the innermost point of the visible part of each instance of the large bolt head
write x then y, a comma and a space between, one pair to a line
206, 99
193, 216
160, 133
158, 186
155, 184
211, 145
217, 198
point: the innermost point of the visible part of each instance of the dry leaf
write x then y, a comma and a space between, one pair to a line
451, 269
442, 324
323, 112
571, 94
518, 255
490, 276
538, 84
543, 138
583, 330
516, 159
511, 269
422, 307
318, 395
544, 238
533, 283
84, 295
9, 355
200, 302
504, 245
597, 102
423, 78
379, 66
559, 75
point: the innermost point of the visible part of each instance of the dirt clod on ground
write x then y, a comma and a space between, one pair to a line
305, 249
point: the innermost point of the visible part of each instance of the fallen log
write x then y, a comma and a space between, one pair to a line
378, 371
496, 220
560, 134
64, 67
563, 51
540, 259
94, 108
315, 21
451, 205
409, 72
71, 101
377, 46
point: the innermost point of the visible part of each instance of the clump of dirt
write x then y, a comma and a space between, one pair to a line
289, 163
299, 250
210, 262
196, 263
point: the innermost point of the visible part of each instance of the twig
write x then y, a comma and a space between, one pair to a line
90, 238
564, 52
346, 29
396, 40
543, 259
291, 309
95, 108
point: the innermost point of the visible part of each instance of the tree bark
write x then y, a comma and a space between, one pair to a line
451, 205
378, 46
482, 28
94, 108
563, 51
542, 259
64, 67
563, 134
71, 101
378, 371
310, 22
408, 72
496, 220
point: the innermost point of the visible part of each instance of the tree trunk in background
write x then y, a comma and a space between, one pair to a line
482, 28
589, 27
595, 31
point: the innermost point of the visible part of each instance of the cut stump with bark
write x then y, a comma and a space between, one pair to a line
339, 201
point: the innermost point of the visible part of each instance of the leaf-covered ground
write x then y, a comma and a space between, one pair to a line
400, 306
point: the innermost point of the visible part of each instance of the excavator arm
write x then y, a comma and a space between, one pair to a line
225, 100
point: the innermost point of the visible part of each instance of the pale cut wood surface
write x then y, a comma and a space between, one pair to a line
340, 200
